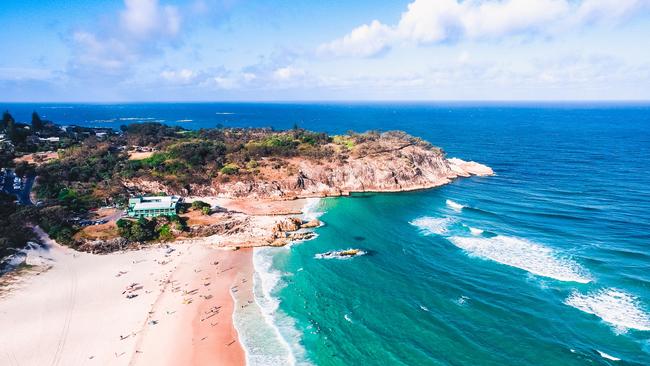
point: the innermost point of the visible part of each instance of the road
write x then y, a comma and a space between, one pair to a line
22, 195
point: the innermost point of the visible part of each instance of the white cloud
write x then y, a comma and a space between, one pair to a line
362, 41
139, 31
444, 21
288, 73
464, 57
146, 18
182, 76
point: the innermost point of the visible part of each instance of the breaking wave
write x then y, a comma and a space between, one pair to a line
454, 205
523, 254
432, 225
136, 118
262, 329
618, 308
607, 356
311, 210
475, 231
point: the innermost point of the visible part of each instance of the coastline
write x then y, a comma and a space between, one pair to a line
183, 310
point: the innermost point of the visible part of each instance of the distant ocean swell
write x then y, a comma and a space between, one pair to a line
619, 309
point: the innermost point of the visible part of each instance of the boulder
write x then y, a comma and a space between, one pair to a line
311, 224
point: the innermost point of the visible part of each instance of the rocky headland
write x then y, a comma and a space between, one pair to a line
390, 162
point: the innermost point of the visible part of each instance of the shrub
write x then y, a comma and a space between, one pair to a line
199, 205
252, 164
229, 169
137, 231
165, 233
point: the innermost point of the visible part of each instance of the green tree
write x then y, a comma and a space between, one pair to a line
37, 122
6, 120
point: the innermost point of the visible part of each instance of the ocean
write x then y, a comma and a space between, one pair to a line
545, 263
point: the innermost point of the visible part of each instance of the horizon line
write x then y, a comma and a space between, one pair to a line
336, 101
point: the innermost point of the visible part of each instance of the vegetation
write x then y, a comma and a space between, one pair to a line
159, 228
14, 232
204, 207
93, 166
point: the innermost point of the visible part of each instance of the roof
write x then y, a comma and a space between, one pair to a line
153, 203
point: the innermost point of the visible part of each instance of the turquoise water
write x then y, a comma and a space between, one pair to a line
546, 263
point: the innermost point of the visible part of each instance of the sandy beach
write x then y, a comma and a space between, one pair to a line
163, 305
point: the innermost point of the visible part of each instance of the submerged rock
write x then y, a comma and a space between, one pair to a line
340, 254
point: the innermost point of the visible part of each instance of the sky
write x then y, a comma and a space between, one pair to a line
335, 50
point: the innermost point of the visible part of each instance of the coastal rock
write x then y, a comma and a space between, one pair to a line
106, 246
467, 168
392, 162
311, 224
340, 254
288, 238
289, 224
228, 227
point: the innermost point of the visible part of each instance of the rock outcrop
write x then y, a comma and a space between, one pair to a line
391, 162
288, 230
233, 225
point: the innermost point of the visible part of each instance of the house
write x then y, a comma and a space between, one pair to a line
153, 206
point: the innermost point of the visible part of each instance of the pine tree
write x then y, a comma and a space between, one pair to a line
6, 120
37, 123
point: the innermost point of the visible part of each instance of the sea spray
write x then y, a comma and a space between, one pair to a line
312, 207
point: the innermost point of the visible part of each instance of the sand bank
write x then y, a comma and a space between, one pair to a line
74, 308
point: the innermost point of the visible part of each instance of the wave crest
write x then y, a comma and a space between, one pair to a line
613, 306
454, 205
432, 225
523, 254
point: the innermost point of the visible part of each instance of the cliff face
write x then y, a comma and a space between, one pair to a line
392, 162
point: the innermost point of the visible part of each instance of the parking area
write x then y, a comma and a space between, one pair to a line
17, 186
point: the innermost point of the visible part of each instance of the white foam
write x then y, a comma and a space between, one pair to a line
224, 113
475, 231
432, 225
268, 335
311, 210
454, 205
618, 308
462, 300
523, 254
424, 308
337, 255
265, 281
136, 118
184, 120
607, 356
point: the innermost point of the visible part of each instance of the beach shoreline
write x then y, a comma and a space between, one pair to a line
166, 304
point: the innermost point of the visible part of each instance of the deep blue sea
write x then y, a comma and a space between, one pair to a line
546, 263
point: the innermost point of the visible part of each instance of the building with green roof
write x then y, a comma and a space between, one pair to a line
153, 206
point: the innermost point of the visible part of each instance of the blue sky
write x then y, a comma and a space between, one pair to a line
220, 50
